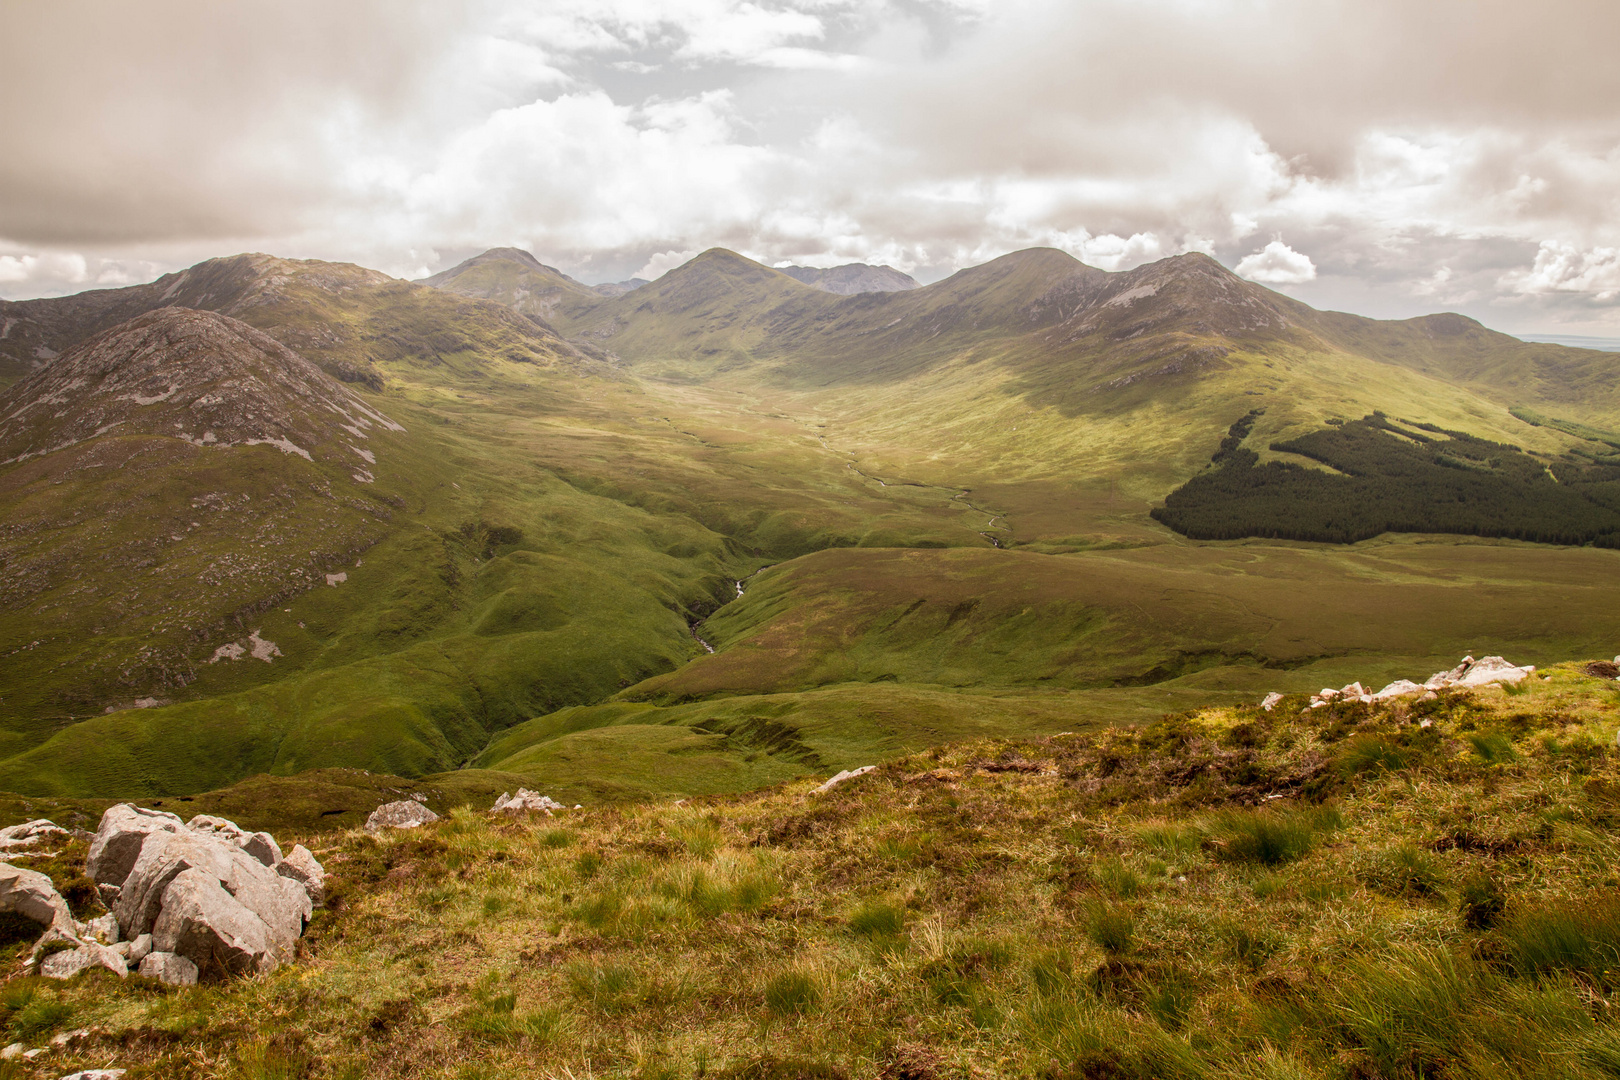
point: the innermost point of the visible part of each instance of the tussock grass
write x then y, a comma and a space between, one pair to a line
1133, 903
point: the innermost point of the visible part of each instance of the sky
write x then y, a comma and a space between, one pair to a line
1387, 157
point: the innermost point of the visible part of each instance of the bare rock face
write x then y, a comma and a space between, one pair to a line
33, 896
194, 375
304, 868
404, 814
124, 828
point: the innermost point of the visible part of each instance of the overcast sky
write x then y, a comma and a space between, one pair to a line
1390, 157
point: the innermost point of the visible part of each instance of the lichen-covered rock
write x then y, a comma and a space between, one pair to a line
33, 896
304, 868
70, 962
169, 968
123, 830
404, 814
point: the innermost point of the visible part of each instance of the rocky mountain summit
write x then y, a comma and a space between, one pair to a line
202, 377
852, 278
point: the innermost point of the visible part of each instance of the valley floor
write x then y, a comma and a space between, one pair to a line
1416, 889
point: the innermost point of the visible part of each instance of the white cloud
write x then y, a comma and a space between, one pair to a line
1277, 264
662, 263
1563, 268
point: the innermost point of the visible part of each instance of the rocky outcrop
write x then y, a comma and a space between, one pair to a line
404, 814
202, 898
1469, 673
525, 801
33, 896
213, 903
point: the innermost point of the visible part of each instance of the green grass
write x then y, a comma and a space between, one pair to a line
1085, 917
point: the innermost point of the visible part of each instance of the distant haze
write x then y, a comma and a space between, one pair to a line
1381, 156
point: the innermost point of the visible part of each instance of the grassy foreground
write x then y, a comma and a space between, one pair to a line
1427, 889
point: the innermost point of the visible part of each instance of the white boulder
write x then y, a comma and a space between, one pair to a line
404, 814
124, 828
1270, 701
33, 896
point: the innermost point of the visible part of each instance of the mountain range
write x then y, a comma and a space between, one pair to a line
740, 523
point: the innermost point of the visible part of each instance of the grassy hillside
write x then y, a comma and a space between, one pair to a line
1424, 889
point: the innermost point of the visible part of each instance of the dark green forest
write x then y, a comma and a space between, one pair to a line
1391, 477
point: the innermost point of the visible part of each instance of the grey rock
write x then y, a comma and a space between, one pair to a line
169, 968
13, 1051
404, 814
123, 830
162, 858
139, 948
104, 929
32, 895
304, 868
66, 964
96, 1074
108, 894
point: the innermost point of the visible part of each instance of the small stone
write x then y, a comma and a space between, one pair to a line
404, 814
96, 1074
168, 968
846, 775
1270, 701
140, 948
13, 1051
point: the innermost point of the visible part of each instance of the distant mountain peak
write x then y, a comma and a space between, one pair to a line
852, 278
496, 254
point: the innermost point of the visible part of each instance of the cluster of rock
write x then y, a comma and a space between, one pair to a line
29, 833
185, 899
526, 801
1471, 672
